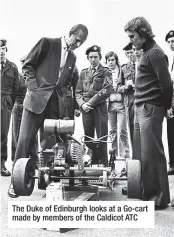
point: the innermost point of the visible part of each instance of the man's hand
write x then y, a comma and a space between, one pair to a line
169, 114
86, 108
129, 84
77, 112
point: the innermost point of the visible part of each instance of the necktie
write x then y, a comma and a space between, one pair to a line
93, 70
172, 65
2, 66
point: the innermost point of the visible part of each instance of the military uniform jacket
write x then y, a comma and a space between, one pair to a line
41, 70
127, 73
95, 88
9, 84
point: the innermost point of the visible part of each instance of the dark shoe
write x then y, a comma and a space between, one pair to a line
11, 192
172, 203
170, 171
5, 172
160, 207
124, 190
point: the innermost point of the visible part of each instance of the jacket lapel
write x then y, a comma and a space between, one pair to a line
57, 56
7, 66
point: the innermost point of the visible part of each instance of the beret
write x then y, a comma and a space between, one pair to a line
3, 42
169, 35
93, 48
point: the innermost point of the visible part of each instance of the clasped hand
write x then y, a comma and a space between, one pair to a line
86, 108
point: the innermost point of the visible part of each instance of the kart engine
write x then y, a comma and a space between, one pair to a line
67, 150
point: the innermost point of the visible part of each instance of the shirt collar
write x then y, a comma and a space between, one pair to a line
148, 44
64, 44
4, 61
95, 67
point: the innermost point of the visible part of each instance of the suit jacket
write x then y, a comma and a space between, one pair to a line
41, 70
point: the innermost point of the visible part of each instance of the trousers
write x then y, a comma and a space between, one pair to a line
118, 129
170, 137
148, 136
97, 120
30, 125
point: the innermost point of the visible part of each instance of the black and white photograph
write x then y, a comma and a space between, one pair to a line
87, 118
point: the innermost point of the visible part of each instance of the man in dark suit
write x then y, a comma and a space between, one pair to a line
47, 69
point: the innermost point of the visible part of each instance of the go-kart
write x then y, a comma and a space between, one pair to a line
74, 162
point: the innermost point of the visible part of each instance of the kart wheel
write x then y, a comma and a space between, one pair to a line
47, 179
41, 180
105, 179
133, 179
23, 181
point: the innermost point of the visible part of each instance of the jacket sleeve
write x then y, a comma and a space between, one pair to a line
106, 90
74, 85
121, 83
16, 84
34, 58
159, 63
79, 91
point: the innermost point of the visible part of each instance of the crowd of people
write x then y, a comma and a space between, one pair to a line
132, 98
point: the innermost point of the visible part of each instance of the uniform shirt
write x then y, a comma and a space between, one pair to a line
171, 70
127, 73
171, 65
9, 84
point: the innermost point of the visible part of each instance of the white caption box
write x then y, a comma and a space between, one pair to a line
85, 214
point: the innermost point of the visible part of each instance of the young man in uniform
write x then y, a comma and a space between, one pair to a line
9, 88
93, 88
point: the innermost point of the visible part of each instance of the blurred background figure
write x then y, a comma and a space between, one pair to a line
9, 89
126, 86
170, 113
116, 110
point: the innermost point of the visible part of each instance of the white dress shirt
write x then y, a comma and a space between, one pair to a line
64, 54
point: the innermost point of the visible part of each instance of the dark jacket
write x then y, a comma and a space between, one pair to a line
9, 84
41, 70
95, 88
127, 73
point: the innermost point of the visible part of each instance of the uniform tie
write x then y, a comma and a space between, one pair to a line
93, 70
172, 65
2, 66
